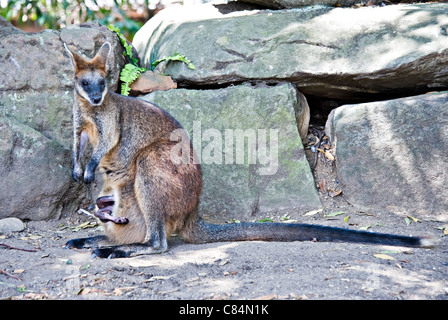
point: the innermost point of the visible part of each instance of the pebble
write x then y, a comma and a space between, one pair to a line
11, 225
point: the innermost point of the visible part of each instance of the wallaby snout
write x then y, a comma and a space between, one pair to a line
92, 86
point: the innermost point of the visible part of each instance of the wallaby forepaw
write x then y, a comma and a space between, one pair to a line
77, 174
89, 176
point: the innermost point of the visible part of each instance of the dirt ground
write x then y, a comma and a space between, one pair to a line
238, 270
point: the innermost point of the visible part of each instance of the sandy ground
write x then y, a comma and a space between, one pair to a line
239, 270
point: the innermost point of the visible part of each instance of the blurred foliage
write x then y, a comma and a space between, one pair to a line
55, 14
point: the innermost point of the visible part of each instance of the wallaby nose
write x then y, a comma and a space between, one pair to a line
96, 100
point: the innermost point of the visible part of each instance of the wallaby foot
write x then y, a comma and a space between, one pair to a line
85, 242
126, 251
109, 253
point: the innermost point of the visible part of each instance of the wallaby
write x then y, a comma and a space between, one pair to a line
146, 197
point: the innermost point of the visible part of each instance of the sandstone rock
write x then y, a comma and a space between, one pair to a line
289, 4
391, 155
38, 61
35, 173
335, 53
234, 188
36, 99
150, 81
11, 225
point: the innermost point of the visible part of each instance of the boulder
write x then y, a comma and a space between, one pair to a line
150, 81
290, 4
268, 171
347, 54
391, 155
36, 99
11, 225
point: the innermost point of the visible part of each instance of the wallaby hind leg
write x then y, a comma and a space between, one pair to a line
153, 209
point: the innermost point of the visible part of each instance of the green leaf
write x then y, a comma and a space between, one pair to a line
265, 220
366, 227
127, 47
21, 288
175, 57
334, 214
383, 256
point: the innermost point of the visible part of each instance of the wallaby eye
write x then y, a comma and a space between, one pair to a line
84, 83
101, 82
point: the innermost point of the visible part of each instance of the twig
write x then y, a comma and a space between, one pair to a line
21, 249
9, 275
85, 212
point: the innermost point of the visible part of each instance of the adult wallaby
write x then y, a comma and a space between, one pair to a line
146, 196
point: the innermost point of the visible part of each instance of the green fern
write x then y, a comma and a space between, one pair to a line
128, 75
127, 47
131, 71
175, 57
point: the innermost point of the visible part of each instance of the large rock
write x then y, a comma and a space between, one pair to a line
36, 99
391, 155
289, 4
334, 53
236, 188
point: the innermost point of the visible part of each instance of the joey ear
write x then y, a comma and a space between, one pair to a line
101, 57
77, 61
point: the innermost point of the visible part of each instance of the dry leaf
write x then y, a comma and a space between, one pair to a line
142, 264
85, 225
19, 271
383, 256
154, 278
333, 193
224, 262
31, 237
120, 291
327, 154
414, 219
323, 185
268, 297
311, 213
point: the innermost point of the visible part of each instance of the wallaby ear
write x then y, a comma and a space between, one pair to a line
101, 57
78, 61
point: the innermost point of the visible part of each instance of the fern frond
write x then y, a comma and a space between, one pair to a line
175, 57
127, 47
128, 75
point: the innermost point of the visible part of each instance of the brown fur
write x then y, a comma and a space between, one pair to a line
132, 147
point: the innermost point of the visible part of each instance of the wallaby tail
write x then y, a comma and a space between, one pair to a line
204, 232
